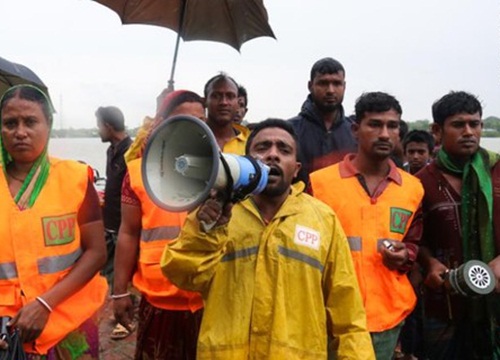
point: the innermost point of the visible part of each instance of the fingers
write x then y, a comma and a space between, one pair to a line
398, 246
3, 345
13, 322
226, 211
395, 257
435, 277
129, 326
125, 319
123, 310
495, 267
434, 280
30, 334
210, 211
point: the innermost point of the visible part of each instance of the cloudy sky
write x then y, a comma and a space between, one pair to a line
416, 50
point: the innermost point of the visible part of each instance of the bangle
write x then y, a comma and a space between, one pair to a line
120, 296
44, 303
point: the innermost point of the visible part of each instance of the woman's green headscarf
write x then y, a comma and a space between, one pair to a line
39, 172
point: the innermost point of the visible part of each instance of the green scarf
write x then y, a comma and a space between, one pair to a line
39, 172
477, 204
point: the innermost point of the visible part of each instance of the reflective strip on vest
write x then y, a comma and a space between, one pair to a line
300, 257
240, 253
8, 270
354, 243
160, 233
54, 264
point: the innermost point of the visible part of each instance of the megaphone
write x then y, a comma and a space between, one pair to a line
472, 278
182, 163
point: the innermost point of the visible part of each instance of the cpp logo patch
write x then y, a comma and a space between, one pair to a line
307, 237
59, 230
399, 219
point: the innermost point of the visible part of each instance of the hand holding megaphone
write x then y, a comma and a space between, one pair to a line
182, 164
473, 278
214, 212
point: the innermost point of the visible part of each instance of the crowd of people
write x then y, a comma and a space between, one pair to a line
343, 255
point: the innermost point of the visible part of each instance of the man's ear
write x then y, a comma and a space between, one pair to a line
298, 167
309, 85
355, 129
437, 131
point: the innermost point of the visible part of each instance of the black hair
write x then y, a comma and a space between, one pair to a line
30, 93
326, 65
184, 97
272, 123
242, 92
377, 102
403, 129
215, 79
455, 102
419, 136
112, 116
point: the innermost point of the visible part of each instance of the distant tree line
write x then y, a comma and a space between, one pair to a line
491, 129
83, 133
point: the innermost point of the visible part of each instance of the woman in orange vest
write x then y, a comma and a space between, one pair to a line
52, 236
169, 318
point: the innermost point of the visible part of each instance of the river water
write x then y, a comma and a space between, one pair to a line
93, 151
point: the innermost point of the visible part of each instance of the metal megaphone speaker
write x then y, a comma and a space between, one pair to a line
470, 279
182, 163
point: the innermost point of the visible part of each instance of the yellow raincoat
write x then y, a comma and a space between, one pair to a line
273, 291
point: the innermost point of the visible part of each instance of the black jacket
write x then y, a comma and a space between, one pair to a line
115, 172
318, 147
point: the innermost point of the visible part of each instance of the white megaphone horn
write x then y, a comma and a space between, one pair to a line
182, 163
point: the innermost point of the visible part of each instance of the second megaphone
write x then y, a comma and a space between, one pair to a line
182, 163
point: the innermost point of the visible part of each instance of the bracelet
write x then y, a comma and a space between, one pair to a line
44, 303
120, 296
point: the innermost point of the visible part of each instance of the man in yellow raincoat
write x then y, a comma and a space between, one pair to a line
275, 272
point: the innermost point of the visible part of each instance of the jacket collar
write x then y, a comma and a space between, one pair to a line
310, 112
347, 169
291, 206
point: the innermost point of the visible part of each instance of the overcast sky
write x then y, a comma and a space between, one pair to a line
415, 50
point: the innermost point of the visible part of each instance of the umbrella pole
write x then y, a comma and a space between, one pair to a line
174, 62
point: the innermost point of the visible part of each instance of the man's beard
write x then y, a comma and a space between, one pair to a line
276, 190
328, 108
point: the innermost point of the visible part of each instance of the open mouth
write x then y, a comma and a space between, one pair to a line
274, 171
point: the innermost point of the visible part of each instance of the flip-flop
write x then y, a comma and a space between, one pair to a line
121, 332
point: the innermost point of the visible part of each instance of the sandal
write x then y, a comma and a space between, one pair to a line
121, 332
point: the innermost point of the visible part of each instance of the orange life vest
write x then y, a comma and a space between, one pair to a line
387, 295
40, 245
159, 227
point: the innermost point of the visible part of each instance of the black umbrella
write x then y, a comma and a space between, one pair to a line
16, 74
232, 22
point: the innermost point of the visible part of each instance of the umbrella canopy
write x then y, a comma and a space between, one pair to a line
228, 21
16, 74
